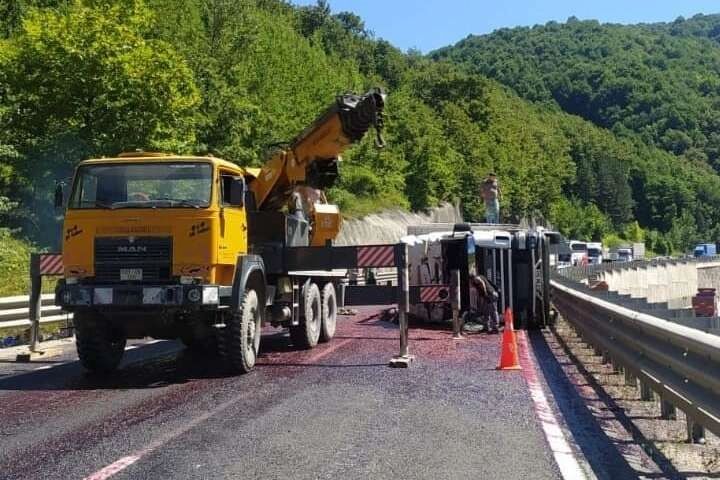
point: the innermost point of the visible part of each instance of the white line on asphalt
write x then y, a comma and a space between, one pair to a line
114, 468
44, 367
125, 462
564, 456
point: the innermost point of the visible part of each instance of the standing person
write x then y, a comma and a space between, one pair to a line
487, 302
491, 194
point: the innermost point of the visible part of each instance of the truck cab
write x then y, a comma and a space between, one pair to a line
159, 218
624, 255
150, 247
705, 250
579, 253
595, 253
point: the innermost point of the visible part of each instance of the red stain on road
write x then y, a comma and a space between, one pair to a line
362, 340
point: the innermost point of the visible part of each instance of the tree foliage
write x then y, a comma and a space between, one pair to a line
617, 124
653, 91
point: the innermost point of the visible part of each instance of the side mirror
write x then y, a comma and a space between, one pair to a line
237, 192
59, 195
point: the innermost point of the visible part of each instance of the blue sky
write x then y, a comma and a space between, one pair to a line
430, 24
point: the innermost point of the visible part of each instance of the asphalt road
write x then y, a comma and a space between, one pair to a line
336, 411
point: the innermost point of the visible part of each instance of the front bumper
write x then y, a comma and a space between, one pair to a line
74, 296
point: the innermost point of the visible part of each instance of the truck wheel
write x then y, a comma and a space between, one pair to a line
307, 334
99, 347
329, 312
242, 334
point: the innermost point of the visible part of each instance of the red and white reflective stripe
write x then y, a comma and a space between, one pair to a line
434, 293
380, 256
51, 264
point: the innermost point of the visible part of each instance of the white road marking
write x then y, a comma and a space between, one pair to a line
564, 456
113, 468
45, 367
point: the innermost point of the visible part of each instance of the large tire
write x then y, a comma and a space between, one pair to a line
307, 334
329, 312
99, 347
242, 334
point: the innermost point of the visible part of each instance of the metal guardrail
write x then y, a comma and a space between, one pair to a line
15, 311
680, 364
582, 272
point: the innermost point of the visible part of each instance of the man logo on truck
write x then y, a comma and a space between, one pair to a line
131, 249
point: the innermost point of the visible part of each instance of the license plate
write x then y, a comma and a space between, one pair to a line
131, 274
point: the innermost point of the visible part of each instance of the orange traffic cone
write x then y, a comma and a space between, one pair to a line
509, 351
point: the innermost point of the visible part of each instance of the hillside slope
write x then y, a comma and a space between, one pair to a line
653, 86
232, 78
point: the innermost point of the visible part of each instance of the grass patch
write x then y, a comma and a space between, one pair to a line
15, 266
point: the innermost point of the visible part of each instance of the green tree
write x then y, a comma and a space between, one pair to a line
86, 82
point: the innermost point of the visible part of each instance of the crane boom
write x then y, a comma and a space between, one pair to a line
311, 158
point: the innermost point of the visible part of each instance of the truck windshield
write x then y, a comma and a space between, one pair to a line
142, 185
594, 252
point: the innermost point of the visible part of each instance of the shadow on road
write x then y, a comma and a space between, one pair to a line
147, 366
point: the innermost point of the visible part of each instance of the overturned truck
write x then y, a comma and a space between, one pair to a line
514, 259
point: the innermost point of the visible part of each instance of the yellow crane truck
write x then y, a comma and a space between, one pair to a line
201, 249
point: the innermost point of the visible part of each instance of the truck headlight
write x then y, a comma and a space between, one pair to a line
102, 296
210, 296
153, 295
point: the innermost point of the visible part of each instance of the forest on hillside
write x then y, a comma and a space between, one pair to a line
656, 86
84, 78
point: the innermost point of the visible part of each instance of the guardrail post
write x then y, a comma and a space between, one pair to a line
646, 393
630, 379
404, 359
35, 305
455, 304
606, 357
696, 432
667, 410
341, 297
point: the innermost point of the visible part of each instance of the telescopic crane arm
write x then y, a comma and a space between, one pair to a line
312, 157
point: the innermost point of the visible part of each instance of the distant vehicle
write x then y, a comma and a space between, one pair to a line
705, 250
579, 252
638, 250
564, 259
624, 255
594, 252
